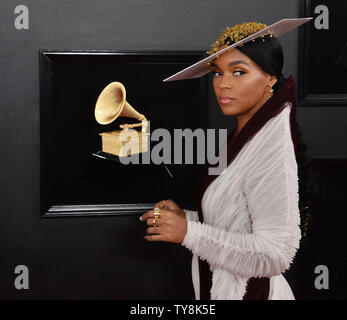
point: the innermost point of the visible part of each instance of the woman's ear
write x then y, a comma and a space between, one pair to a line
273, 80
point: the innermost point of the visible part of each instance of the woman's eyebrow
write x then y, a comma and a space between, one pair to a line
212, 64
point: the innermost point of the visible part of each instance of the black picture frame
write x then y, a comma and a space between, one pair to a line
322, 80
73, 182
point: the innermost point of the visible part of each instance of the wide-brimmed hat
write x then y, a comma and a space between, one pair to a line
245, 32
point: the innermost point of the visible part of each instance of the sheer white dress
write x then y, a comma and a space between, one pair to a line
251, 216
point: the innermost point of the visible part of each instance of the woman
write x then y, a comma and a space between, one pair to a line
246, 231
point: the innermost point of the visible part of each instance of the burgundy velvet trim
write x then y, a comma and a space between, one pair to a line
257, 288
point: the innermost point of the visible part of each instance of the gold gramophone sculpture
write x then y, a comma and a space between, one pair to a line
112, 104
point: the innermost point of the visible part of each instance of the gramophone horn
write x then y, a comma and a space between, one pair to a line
112, 104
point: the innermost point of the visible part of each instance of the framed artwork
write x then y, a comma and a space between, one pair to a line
74, 181
323, 54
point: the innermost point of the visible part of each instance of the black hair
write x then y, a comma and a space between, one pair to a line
268, 55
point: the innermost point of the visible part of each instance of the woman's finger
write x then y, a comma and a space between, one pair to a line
168, 204
159, 221
147, 215
154, 230
156, 237
161, 204
150, 214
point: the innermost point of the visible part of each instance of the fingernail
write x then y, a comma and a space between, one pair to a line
145, 237
140, 218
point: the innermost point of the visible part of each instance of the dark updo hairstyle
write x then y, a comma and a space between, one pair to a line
268, 55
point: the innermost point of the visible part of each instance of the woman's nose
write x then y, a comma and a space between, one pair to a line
224, 83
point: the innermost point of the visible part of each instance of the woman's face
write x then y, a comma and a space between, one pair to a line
240, 84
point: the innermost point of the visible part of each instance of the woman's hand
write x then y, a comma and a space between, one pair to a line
171, 223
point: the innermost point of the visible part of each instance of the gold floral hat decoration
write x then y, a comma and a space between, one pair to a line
234, 37
237, 33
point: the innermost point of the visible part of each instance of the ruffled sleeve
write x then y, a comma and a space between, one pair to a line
271, 191
191, 215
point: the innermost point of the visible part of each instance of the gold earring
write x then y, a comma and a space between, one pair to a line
270, 91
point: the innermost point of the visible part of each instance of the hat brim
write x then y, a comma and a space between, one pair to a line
200, 68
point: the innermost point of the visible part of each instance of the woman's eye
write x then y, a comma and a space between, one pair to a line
240, 73
216, 73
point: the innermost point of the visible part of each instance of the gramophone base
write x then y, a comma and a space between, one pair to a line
112, 144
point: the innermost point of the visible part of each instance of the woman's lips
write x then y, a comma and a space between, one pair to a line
225, 100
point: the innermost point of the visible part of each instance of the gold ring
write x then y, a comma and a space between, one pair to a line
156, 212
155, 221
